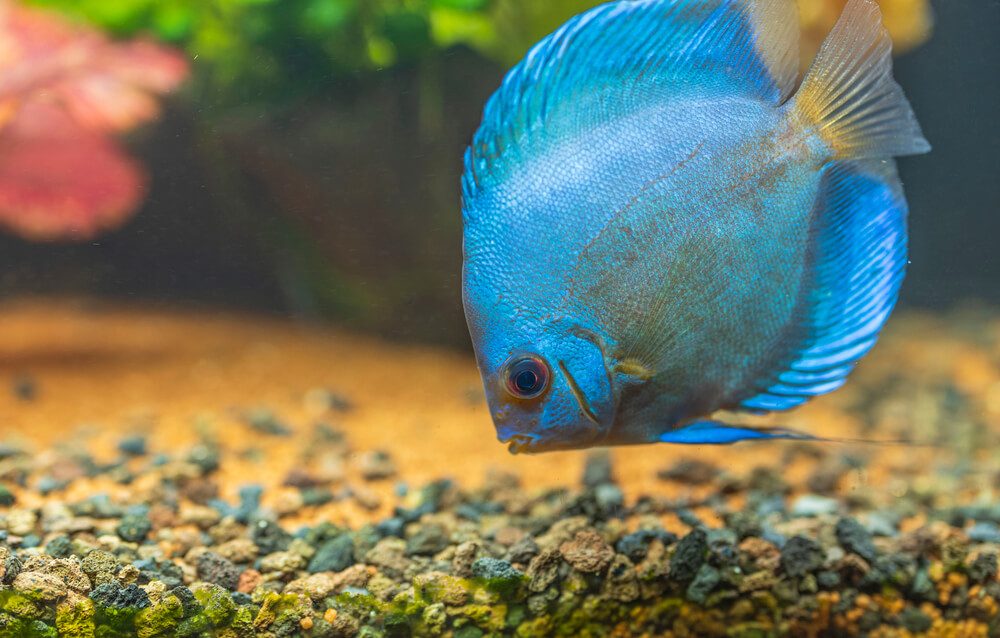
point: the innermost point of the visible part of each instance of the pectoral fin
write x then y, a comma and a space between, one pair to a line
718, 433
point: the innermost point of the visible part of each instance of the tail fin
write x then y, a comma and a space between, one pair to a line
849, 94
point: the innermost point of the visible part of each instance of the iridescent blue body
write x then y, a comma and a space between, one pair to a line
660, 229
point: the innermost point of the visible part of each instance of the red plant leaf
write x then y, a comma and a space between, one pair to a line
104, 84
62, 181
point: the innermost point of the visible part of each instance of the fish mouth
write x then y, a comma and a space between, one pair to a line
519, 443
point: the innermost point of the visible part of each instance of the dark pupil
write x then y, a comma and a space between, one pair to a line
526, 381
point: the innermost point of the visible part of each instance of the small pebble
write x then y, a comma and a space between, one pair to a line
376, 465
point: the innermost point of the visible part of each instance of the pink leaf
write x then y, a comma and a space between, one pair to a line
61, 181
63, 89
104, 84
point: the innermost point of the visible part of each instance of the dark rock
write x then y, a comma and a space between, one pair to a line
205, 457
523, 550
801, 556
689, 471
983, 568
828, 580
115, 596
312, 496
24, 388
30, 540
499, 575
914, 620
597, 469
264, 421
133, 445
744, 523
689, 556
899, 570
689, 518
7, 498
215, 569
635, 545
704, 582
134, 528
269, 537
394, 526
59, 547
334, 555
855, 539
427, 540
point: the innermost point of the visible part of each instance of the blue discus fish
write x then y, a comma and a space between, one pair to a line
659, 224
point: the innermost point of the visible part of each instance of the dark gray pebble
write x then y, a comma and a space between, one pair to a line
523, 551
215, 569
264, 421
312, 496
391, 527
855, 539
500, 574
689, 556
59, 547
983, 568
115, 596
914, 621
25, 388
133, 528
801, 556
6, 497
269, 537
634, 546
334, 555
427, 541
133, 445
704, 582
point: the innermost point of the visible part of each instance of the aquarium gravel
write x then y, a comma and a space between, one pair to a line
141, 538
498, 560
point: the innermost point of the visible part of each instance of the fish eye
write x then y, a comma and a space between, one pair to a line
527, 377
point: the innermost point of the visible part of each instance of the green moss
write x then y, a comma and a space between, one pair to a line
160, 620
218, 604
76, 621
20, 605
280, 610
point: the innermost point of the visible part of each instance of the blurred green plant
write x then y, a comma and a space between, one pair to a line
272, 50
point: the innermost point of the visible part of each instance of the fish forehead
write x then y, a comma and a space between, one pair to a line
524, 235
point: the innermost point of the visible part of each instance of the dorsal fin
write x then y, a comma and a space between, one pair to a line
860, 256
624, 55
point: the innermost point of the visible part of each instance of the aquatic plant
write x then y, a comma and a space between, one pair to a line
64, 89
277, 49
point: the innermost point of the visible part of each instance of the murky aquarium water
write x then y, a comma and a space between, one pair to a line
499, 318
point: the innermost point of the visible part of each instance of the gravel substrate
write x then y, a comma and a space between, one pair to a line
802, 540
494, 561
